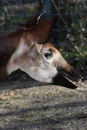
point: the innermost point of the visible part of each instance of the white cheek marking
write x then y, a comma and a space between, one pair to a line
42, 74
11, 66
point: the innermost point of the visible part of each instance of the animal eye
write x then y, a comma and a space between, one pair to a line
48, 55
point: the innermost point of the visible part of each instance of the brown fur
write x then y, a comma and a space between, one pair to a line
8, 45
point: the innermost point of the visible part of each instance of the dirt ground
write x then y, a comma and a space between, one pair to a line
31, 105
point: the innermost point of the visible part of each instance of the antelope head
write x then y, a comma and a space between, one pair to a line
38, 58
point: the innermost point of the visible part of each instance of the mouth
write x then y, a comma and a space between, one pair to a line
71, 80
72, 75
67, 79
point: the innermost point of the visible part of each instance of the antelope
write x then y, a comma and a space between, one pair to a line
29, 50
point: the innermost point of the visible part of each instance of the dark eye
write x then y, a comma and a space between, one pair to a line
48, 55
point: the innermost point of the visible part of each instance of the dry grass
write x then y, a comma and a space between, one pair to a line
30, 105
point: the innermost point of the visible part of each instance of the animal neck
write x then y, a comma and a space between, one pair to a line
8, 45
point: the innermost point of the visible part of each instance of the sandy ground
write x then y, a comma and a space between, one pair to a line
31, 105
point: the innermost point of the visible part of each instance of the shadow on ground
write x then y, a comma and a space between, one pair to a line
37, 106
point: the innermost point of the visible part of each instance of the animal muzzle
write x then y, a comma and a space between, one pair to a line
67, 77
71, 74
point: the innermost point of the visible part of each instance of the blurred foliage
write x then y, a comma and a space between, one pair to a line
14, 13
72, 22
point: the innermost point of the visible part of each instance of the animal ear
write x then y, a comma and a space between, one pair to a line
40, 33
33, 20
